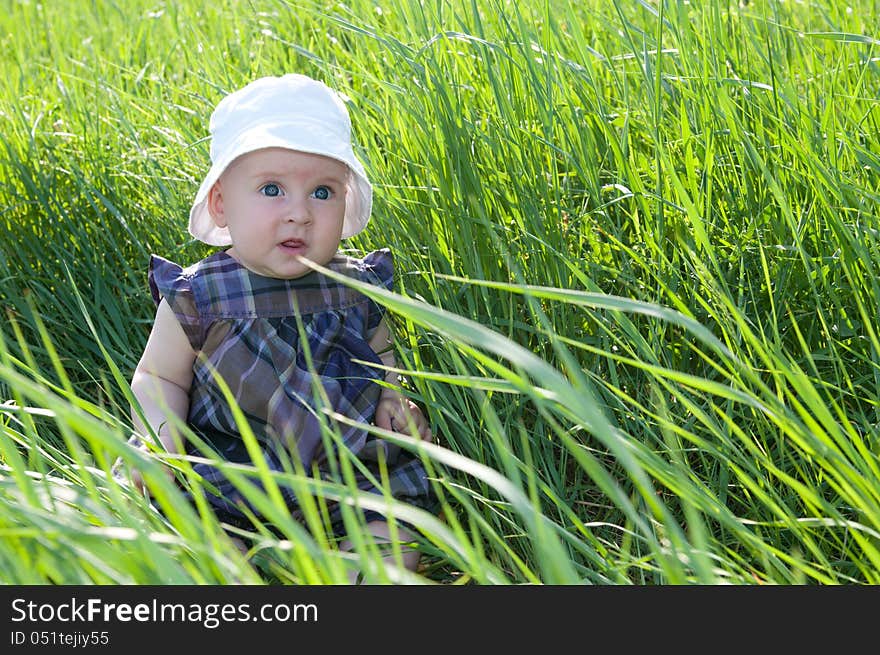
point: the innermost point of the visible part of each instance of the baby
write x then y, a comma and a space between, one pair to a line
284, 183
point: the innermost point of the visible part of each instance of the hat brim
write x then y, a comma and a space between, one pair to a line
359, 191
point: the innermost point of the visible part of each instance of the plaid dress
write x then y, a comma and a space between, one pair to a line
244, 329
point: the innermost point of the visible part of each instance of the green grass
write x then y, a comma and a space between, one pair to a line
638, 252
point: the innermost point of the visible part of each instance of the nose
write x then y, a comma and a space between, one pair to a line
298, 213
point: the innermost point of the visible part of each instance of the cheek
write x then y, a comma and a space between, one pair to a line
334, 229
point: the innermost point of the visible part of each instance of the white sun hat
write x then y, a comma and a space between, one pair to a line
291, 111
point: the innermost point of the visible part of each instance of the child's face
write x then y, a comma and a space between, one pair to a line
277, 204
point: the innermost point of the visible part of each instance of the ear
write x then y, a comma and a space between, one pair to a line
215, 205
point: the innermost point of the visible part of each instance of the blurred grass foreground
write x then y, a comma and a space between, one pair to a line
638, 252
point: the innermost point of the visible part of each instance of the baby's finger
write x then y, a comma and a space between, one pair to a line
426, 435
412, 428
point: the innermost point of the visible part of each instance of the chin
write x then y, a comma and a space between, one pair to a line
292, 274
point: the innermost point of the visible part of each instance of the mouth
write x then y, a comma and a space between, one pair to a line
293, 244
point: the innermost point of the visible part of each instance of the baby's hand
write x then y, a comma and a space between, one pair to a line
119, 472
394, 413
119, 469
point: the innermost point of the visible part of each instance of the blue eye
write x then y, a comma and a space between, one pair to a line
322, 193
271, 190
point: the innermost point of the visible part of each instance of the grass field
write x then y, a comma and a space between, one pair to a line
637, 248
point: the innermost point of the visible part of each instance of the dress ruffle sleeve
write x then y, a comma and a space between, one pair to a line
173, 283
378, 271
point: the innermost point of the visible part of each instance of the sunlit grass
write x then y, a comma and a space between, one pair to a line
637, 294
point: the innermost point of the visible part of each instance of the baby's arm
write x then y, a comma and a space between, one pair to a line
162, 379
395, 411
